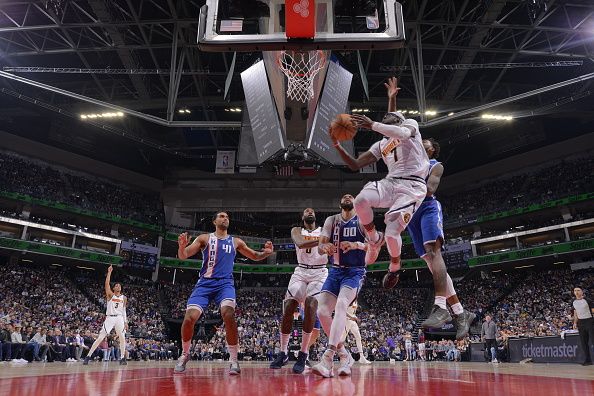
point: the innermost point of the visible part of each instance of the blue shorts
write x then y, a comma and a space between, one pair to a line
426, 225
338, 278
208, 289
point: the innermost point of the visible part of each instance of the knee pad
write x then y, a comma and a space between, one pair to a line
393, 238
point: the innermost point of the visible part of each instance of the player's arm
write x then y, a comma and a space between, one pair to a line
353, 163
392, 91
300, 240
434, 179
389, 131
324, 244
348, 246
244, 249
184, 251
108, 292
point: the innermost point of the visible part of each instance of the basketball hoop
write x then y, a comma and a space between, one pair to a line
301, 67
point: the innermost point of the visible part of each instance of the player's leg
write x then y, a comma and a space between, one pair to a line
310, 308
119, 328
294, 296
197, 302
225, 298
359, 342
373, 195
105, 330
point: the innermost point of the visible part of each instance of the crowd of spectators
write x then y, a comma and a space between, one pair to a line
39, 180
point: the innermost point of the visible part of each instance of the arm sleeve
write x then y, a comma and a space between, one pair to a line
405, 131
327, 229
376, 150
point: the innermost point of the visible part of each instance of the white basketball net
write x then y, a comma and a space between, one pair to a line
301, 68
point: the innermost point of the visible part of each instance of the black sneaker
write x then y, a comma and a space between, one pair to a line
437, 318
391, 280
587, 364
280, 361
463, 322
299, 366
123, 362
86, 361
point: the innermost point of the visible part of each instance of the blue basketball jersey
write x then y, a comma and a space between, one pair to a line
349, 231
432, 163
218, 258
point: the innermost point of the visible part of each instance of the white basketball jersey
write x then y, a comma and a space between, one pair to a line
115, 305
310, 256
404, 158
352, 309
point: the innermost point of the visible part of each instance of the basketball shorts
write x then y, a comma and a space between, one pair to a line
209, 289
426, 225
421, 346
402, 197
306, 282
110, 323
344, 277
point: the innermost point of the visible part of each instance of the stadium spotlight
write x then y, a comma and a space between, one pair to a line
497, 117
431, 112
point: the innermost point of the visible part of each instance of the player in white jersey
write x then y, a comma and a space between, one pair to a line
115, 317
402, 190
305, 284
352, 327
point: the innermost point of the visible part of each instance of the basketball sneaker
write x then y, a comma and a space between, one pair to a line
86, 361
463, 322
373, 249
180, 367
299, 366
234, 368
363, 360
391, 280
123, 362
346, 362
437, 318
325, 367
280, 361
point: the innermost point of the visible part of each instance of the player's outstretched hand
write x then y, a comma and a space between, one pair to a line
332, 137
347, 246
109, 269
392, 87
361, 121
328, 248
268, 247
183, 240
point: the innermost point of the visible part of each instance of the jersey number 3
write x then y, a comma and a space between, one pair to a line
117, 305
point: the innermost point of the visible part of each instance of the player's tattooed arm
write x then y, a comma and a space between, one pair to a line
243, 248
300, 240
434, 179
364, 159
184, 251
347, 246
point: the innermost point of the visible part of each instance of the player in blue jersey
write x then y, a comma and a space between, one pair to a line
426, 232
215, 283
343, 240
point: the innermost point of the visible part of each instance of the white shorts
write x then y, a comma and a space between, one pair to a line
408, 346
402, 197
110, 323
421, 346
306, 283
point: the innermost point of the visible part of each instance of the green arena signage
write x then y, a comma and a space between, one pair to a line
537, 207
41, 248
170, 262
72, 209
524, 254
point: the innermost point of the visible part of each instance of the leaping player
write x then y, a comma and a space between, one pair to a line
342, 239
215, 283
352, 327
402, 190
304, 286
426, 231
115, 317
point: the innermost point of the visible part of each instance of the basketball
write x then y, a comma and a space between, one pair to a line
342, 128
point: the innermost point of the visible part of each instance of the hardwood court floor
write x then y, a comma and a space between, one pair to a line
211, 378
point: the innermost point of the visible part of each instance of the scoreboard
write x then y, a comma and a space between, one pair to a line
136, 255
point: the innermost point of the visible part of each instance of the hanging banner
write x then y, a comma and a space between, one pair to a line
225, 162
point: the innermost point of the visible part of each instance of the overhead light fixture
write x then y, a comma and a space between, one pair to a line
450, 114
431, 112
29, 261
57, 265
497, 117
87, 268
184, 111
525, 266
559, 262
496, 271
93, 116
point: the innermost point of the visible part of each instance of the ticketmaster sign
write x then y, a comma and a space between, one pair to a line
546, 349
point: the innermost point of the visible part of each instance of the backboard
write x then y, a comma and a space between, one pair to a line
272, 25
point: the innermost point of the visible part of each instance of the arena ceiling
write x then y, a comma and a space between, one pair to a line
129, 53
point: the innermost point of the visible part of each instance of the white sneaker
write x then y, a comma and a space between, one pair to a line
346, 362
373, 249
494, 361
23, 361
363, 360
325, 367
